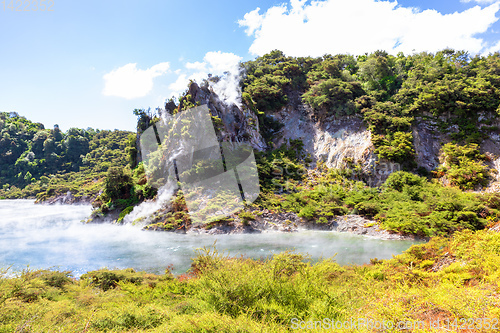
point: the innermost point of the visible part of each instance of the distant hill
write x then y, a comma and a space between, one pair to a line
46, 163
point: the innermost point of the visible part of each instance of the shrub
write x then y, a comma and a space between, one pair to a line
322, 220
307, 212
117, 184
246, 217
124, 213
106, 279
464, 166
397, 147
400, 180
55, 278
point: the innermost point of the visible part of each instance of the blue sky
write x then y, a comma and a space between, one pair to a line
90, 63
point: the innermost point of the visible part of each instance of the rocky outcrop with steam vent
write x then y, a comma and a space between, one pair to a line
332, 142
369, 116
239, 122
335, 141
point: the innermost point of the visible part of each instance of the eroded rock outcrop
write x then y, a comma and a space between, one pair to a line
240, 124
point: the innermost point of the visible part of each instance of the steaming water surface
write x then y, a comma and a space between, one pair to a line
53, 237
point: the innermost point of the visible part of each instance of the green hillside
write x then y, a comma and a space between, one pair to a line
45, 163
387, 91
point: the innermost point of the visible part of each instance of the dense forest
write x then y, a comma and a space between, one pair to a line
45, 163
456, 90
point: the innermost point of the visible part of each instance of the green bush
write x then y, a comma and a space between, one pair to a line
307, 212
397, 147
107, 279
400, 180
464, 166
124, 213
117, 183
246, 217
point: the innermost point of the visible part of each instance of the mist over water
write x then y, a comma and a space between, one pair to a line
43, 236
145, 209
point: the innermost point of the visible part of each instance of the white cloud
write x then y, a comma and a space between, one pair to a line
130, 82
179, 85
228, 88
198, 76
492, 49
359, 26
252, 20
215, 62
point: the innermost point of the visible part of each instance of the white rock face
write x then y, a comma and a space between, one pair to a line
427, 141
350, 141
331, 142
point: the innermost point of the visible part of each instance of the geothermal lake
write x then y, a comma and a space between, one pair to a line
43, 236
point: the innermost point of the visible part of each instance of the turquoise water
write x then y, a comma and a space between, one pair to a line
43, 236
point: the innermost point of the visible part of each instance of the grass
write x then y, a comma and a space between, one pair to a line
446, 279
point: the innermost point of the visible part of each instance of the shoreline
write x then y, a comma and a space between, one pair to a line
290, 222
265, 221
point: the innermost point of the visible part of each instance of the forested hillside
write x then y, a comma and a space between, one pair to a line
435, 116
45, 163
461, 93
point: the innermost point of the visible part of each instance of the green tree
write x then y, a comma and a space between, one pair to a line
117, 184
464, 166
28, 177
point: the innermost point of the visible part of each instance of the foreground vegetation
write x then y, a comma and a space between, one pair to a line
446, 279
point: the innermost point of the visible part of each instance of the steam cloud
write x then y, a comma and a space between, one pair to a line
143, 212
228, 87
45, 236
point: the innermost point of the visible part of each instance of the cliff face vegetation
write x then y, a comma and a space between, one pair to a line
400, 108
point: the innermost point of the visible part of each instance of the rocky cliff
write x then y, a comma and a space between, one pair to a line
338, 141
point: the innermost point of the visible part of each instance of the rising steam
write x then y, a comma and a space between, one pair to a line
143, 212
228, 87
